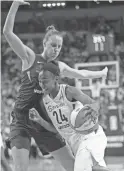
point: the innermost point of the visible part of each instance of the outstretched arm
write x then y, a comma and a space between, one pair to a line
67, 71
25, 53
77, 94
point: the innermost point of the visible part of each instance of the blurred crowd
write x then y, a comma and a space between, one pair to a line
74, 51
38, 23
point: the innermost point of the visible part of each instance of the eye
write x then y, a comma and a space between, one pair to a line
40, 81
59, 46
45, 81
54, 45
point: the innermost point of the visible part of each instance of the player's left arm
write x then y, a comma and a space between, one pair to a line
34, 116
78, 95
67, 71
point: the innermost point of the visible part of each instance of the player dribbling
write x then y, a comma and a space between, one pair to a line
88, 146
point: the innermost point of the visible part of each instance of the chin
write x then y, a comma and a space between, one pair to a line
54, 56
46, 93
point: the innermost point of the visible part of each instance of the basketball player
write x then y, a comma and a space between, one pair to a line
21, 128
87, 145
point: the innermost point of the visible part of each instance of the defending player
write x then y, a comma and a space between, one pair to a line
29, 93
88, 145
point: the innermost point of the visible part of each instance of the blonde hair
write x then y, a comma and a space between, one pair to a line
51, 30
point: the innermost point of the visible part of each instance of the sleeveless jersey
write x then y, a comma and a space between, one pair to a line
30, 91
59, 110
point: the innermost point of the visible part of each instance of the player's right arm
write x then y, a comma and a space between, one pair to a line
78, 95
25, 53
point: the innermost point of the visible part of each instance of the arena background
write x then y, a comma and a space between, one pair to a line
93, 38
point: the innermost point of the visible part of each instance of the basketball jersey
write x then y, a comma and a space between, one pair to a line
59, 110
30, 91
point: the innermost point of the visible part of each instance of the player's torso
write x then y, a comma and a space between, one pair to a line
30, 91
59, 110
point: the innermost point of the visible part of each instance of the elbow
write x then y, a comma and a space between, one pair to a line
6, 31
7, 34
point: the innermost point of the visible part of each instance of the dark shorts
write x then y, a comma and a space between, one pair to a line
21, 133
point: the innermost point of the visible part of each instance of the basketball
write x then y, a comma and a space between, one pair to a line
83, 118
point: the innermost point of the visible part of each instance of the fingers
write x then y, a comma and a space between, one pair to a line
106, 70
22, 2
89, 112
32, 114
26, 3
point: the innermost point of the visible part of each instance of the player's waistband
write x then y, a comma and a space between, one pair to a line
20, 114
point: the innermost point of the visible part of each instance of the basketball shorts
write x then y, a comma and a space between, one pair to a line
91, 151
21, 131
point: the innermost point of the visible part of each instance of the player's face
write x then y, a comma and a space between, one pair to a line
47, 82
53, 47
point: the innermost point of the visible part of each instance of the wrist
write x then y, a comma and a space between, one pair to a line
100, 73
39, 121
15, 4
95, 106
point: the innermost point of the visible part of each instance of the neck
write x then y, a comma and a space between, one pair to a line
45, 56
55, 91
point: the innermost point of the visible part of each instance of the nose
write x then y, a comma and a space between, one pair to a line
56, 50
41, 84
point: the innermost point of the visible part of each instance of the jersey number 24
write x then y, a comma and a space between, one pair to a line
60, 117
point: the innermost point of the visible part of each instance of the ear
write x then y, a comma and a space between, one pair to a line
44, 43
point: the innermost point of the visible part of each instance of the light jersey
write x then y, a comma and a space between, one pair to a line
59, 110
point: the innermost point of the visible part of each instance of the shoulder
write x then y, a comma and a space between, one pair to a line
30, 55
69, 89
55, 62
28, 62
69, 92
74, 92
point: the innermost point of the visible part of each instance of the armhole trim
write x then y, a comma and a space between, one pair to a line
73, 100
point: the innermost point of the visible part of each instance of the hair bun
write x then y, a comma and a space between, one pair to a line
50, 28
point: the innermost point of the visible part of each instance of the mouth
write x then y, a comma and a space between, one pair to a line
44, 89
52, 56
55, 53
